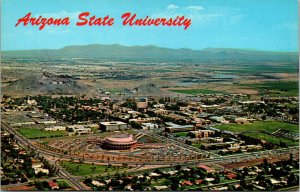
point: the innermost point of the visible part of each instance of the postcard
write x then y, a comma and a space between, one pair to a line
149, 95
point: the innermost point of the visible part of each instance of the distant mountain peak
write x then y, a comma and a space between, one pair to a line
116, 51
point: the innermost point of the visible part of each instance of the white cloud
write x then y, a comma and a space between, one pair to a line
224, 16
195, 8
172, 6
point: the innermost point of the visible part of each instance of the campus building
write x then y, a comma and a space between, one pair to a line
78, 129
142, 103
172, 127
201, 133
119, 142
113, 126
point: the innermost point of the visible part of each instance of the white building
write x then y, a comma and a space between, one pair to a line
45, 121
55, 128
78, 129
159, 106
218, 119
113, 126
39, 169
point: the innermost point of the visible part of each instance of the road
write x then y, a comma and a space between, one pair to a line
25, 143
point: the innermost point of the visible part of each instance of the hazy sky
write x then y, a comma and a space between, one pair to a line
250, 24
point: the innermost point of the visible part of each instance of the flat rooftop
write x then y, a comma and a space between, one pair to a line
113, 123
173, 125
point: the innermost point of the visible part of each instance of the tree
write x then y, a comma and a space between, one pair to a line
45, 184
124, 174
265, 162
157, 171
40, 174
23, 179
283, 144
77, 167
174, 186
217, 178
260, 178
243, 183
39, 185
270, 187
117, 175
291, 179
5, 181
93, 167
230, 188
238, 176
88, 181
178, 167
291, 158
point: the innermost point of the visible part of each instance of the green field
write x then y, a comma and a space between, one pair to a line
181, 134
257, 69
197, 145
63, 184
38, 133
272, 139
277, 88
113, 91
196, 91
158, 182
268, 126
259, 126
84, 169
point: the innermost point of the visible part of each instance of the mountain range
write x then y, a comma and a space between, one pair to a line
115, 51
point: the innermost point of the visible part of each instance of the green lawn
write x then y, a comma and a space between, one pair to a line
197, 145
259, 126
94, 129
196, 91
272, 139
113, 91
85, 169
182, 134
63, 184
268, 126
158, 182
38, 133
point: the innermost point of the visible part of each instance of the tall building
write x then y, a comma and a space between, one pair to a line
113, 126
142, 103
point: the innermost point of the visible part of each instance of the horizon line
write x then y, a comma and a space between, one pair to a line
244, 49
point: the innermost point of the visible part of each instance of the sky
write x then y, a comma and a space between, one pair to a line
269, 25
